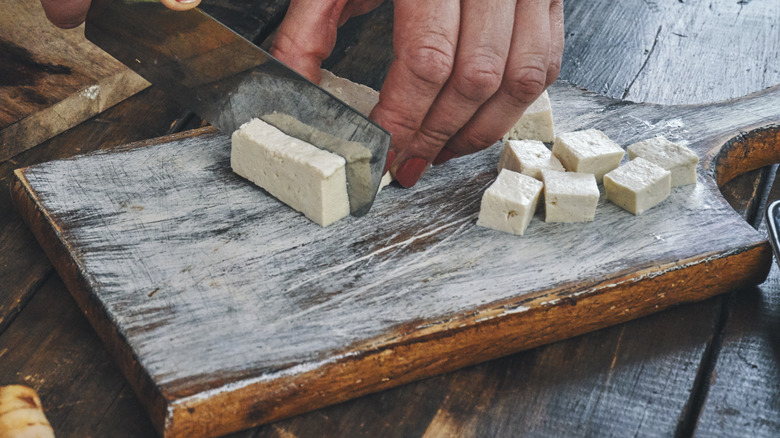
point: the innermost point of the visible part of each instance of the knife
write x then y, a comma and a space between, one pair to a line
227, 81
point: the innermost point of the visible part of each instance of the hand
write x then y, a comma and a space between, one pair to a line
464, 70
71, 13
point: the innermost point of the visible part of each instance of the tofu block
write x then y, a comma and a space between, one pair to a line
536, 123
528, 157
588, 151
306, 178
638, 185
674, 157
358, 96
509, 203
569, 196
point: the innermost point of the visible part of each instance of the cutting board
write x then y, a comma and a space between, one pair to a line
51, 79
226, 309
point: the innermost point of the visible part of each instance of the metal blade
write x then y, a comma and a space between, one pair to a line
227, 80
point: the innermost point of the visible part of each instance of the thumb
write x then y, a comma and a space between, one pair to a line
307, 35
180, 5
71, 13
66, 13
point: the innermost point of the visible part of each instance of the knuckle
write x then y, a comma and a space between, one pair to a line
432, 139
479, 78
475, 140
397, 121
553, 70
431, 58
527, 82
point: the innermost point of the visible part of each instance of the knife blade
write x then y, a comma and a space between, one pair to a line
227, 80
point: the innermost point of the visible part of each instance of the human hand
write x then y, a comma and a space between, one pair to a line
463, 74
71, 13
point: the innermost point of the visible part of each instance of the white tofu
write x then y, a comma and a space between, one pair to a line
638, 185
674, 157
536, 123
528, 157
358, 96
509, 203
569, 196
306, 178
385, 181
588, 151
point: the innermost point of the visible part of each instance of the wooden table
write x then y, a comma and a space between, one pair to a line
709, 368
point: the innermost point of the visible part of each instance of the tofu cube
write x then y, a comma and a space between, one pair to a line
306, 178
588, 151
528, 157
509, 203
673, 157
638, 185
358, 96
536, 123
569, 196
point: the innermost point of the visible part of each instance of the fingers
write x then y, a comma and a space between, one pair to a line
556, 41
483, 47
66, 14
525, 78
425, 40
180, 5
307, 35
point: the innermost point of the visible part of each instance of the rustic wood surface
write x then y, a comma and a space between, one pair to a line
650, 375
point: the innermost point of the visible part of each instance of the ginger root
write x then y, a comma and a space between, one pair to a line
21, 414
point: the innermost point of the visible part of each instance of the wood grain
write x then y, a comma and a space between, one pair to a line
51, 79
651, 51
165, 243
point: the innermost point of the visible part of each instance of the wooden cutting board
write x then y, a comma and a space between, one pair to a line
227, 309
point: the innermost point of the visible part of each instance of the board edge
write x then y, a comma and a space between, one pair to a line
48, 234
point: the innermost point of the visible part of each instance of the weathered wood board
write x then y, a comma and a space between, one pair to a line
226, 309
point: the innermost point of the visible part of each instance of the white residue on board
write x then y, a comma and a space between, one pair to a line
91, 92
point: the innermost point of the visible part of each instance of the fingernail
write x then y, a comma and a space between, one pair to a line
389, 162
186, 1
410, 171
444, 156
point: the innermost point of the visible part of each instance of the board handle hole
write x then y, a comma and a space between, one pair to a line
747, 151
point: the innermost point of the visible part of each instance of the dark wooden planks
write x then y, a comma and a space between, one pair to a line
646, 51
742, 395
52, 348
51, 79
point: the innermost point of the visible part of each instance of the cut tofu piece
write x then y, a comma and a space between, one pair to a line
528, 157
509, 203
306, 178
638, 185
358, 96
588, 151
674, 157
569, 196
536, 123
385, 181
